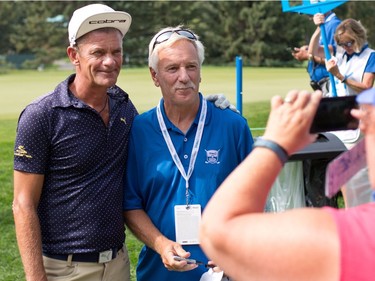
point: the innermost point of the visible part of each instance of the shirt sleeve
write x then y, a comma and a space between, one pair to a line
132, 197
31, 144
370, 67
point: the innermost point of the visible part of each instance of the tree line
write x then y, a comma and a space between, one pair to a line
258, 31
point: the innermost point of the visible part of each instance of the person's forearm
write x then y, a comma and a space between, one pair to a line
366, 83
29, 243
142, 227
314, 43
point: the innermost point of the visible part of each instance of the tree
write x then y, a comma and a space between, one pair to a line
258, 31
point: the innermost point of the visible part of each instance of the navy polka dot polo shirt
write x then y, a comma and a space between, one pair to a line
83, 162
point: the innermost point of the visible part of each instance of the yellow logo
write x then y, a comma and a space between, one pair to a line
20, 151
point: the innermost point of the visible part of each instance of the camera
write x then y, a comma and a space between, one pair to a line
333, 114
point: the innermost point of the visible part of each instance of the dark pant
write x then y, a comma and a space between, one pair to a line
322, 85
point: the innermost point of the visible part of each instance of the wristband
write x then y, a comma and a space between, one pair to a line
277, 149
344, 79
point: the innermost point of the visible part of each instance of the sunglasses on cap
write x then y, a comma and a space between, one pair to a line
346, 44
162, 37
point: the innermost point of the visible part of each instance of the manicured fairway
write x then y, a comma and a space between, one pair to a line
18, 88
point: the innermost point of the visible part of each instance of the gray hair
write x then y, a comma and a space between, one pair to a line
153, 49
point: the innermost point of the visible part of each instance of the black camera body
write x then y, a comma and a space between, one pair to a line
333, 114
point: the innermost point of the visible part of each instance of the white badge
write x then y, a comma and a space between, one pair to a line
187, 220
210, 275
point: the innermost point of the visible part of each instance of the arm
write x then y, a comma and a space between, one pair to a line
315, 49
143, 228
27, 191
251, 245
367, 80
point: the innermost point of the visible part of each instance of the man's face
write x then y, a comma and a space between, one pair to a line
99, 57
178, 72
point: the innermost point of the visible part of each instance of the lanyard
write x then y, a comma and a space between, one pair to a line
194, 153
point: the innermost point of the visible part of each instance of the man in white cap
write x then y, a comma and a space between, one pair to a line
69, 160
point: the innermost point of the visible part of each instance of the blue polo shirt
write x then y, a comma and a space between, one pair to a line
318, 71
83, 162
153, 182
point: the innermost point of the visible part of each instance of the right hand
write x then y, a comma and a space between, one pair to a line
175, 249
300, 54
332, 67
289, 122
319, 19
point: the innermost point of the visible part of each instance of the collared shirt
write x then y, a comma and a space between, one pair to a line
154, 183
353, 67
370, 66
83, 162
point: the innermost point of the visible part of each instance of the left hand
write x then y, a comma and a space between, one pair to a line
221, 101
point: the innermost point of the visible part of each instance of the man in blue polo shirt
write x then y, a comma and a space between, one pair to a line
179, 153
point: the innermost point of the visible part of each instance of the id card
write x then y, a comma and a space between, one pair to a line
187, 222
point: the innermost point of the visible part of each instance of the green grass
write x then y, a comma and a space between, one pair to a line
18, 88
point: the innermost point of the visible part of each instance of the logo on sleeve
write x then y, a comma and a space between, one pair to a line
212, 157
21, 151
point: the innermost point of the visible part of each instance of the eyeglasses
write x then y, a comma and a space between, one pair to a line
346, 44
167, 34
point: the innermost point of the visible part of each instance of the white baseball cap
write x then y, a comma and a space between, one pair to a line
95, 16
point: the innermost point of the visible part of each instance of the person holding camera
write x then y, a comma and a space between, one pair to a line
320, 244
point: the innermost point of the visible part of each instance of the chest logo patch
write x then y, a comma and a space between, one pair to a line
212, 157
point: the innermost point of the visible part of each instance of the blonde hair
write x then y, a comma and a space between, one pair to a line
354, 30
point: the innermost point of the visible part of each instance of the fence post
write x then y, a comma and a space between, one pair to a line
239, 83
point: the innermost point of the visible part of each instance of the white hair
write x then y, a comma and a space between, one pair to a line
153, 49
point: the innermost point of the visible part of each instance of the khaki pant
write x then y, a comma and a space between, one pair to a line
117, 269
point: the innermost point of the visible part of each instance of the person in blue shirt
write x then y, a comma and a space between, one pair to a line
319, 76
354, 69
179, 153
